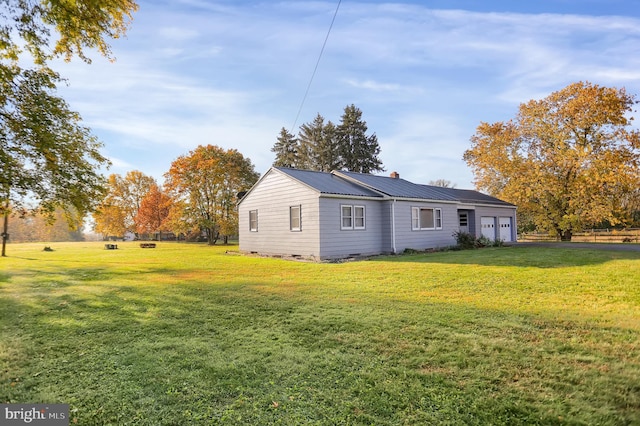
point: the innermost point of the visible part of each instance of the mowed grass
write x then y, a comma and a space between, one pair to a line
191, 334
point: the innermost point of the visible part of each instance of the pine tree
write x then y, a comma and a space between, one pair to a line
359, 151
325, 147
311, 136
286, 149
327, 152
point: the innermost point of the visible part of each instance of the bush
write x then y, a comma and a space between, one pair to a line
483, 242
468, 241
465, 240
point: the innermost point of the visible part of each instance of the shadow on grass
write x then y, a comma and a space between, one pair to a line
530, 257
202, 354
129, 346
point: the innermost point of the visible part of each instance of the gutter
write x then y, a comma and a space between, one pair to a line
393, 226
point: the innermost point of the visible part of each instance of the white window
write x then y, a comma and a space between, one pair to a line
352, 217
358, 214
426, 218
346, 217
295, 219
253, 220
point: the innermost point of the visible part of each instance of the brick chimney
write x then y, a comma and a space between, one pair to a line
395, 175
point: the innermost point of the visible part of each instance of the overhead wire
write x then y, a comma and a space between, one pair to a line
306, 93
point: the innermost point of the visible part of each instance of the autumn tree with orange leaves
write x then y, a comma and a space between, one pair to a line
118, 211
568, 161
204, 185
153, 212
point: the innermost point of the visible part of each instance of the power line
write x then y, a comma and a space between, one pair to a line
306, 93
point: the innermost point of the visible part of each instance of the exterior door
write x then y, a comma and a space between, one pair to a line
505, 228
488, 225
463, 218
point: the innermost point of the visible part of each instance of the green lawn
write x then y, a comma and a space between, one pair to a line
190, 334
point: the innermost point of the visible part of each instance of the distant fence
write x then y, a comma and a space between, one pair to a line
592, 235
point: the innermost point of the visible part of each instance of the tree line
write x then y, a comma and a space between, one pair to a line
568, 161
198, 197
324, 146
197, 200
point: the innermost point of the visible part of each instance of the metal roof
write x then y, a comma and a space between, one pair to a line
367, 185
398, 188
327, 183
474, 197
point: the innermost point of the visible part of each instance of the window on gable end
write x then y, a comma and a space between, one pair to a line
295, 218
253, 220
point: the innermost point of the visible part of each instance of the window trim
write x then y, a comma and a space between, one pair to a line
253, 228
343, 217
416, 224
353, 218
299, 218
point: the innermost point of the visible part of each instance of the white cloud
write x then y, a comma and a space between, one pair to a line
195, 72
179, 34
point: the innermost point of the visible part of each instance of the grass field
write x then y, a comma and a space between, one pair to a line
191, 334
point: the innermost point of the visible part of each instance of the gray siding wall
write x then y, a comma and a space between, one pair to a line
336, 242
424, 239
272, 199
321, 236
495, 212
387, 227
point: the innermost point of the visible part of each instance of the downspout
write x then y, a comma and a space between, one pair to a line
393, 226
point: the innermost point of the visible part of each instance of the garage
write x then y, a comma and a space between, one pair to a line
505, 229
488, 227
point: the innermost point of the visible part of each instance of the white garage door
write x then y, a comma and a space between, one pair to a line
505, 228
488, 225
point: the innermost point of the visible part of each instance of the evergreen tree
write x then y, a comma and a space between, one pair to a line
325, 147
286, 150
327, 152
358, 150
311, 137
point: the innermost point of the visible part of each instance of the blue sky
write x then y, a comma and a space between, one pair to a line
424, 74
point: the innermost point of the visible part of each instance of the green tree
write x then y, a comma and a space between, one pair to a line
205, 185
323, 146
46, 155
567, 161
359, 151
286, 150
318, 148
310, 136
327, 153
79, 24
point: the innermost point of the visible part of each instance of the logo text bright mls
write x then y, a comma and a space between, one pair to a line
36, 414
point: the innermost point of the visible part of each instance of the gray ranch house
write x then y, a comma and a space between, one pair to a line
321, 215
